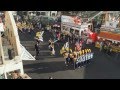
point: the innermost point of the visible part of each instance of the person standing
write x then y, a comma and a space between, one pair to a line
77, 46
101, 45
49, 43
37, 49
52, 49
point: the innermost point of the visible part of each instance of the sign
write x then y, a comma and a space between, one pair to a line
111, 24
85, 57
71, 19
1, 27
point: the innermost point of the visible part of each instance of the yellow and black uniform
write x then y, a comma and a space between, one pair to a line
89, 50
75, 56
65, 50
38, 34
86, 51
80, 52
83, 52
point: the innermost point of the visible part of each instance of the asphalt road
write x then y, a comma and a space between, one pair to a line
102, 67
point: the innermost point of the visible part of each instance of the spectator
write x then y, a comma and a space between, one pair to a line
101, 45
52, 49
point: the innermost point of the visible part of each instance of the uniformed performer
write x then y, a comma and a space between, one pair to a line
80, 52
67, 58
75, 57
89, 56
83, 52
86, 56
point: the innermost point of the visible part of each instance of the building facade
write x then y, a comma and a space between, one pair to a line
11, 51
41, 13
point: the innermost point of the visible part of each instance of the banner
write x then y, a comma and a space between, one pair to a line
84, 57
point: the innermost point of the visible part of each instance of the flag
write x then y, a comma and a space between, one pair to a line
65, 48
66, 45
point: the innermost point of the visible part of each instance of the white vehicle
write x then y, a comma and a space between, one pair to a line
74, 24
75, 29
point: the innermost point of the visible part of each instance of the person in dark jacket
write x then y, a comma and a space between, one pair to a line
37, 49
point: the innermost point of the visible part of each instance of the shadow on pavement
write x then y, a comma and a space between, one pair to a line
47, 67
102, 67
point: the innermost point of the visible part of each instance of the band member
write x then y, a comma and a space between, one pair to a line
89, 55
86, 56
50, 42
68, 60
37, 49
86, 51
65, 54
80, 52
83, 52
52, 49
77, 47
75, 56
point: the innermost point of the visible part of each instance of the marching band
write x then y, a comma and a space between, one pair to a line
78, 58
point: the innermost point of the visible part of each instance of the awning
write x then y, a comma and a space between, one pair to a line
109, 35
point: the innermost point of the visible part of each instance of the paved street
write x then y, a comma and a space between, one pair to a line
102, 67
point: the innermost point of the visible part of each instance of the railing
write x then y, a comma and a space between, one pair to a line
95, 16
25, 55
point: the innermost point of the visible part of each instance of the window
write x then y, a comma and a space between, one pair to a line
63, 27
71, 30
76, 32
53, 14
43, 13
29, 12
37, 13
24, 13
